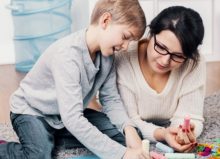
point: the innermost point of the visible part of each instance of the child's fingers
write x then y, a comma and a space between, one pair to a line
144, 155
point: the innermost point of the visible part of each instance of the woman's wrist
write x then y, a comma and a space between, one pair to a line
159, 134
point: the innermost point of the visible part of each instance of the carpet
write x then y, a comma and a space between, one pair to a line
85, 157
211, 130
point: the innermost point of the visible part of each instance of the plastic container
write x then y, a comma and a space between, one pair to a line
37, 24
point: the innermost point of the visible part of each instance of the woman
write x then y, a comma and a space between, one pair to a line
161, 79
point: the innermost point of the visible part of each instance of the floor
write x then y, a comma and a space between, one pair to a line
9, 81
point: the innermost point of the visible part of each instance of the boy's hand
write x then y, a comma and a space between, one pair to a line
134, 145
136, 154
132, 138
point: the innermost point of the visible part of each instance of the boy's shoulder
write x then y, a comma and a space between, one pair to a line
74, 41
69, 48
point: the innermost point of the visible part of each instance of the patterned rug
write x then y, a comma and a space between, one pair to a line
211, 129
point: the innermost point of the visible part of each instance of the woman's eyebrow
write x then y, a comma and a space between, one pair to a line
162, 44
178, 53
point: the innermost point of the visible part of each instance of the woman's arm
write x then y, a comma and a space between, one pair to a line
130, 103
191, 98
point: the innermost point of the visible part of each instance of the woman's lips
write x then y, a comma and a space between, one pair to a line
161, 67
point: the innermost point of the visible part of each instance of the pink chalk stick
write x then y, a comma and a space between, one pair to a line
186, 124
155, 155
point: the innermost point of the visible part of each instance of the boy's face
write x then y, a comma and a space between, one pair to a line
116, 38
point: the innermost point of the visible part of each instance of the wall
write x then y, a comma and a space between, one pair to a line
216, 30
80, 12
6, 35
81, 9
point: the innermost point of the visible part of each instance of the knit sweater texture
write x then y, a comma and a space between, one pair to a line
182, 95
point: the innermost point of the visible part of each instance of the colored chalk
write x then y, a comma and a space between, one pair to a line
186, 124
146, 145
217, 140
156, 155
164, 148
180, 155
206, 150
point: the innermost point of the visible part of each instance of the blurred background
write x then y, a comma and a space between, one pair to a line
29, 26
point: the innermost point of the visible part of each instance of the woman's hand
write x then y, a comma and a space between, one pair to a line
169, 135
186, 136
170, 138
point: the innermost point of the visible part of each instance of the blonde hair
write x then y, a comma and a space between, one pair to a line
127, 12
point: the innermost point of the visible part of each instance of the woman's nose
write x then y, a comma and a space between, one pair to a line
165, 59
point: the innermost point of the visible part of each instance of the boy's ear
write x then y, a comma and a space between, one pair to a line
105, 20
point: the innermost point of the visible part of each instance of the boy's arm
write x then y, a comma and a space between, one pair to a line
115, 110
132, 138
112, 103
69, 96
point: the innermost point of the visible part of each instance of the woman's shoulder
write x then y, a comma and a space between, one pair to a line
124, 65
125, 57
191, 69
193, 77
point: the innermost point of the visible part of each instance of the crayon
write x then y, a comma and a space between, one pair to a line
186, 124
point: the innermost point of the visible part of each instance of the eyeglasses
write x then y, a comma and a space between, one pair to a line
175, 56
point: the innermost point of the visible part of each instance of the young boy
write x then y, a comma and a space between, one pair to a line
50, 103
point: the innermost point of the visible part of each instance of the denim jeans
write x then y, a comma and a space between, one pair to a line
38, 139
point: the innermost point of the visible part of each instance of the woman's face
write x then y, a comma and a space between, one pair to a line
164, 52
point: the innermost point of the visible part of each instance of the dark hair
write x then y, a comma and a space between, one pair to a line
186, 24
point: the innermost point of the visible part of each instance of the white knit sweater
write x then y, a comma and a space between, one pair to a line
183, 94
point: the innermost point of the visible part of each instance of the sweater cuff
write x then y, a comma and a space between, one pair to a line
150, 134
